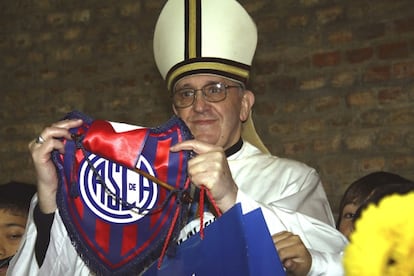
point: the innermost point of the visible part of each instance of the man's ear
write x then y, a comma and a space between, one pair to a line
246, 105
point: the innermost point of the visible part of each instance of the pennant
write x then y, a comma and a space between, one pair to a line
122, 193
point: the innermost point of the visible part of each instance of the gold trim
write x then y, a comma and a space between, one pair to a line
192, 28
234, 70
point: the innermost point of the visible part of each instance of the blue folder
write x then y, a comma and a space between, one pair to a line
234, 244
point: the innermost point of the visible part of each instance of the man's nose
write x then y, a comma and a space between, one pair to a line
199, 101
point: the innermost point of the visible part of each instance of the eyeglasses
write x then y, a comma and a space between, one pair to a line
213, 92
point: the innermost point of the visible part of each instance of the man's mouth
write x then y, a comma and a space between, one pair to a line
203, 121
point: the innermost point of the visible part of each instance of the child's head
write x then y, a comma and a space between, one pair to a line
357, 193
381, 192
14, 207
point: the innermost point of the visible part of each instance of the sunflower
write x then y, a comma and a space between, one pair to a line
383, 240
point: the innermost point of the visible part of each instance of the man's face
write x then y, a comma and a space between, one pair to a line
346, 224
12, 226
217, 123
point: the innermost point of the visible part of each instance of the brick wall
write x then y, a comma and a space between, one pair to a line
333, 79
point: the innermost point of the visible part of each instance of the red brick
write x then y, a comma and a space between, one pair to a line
298, 63
81, 16
329, 15
398, 163
327, 145
22, 40
83, 50
283, 83
312, 84
294, 148
313, 39
404, 25
343, 79
378, 73
23, 75
108, 11
131, 9
57, 19
340, 120
63, 54
35, 57
389, 139
370, 31
390, 95
72, 33
268, 24
310, 3
295, 106
311, 125
267, 66
403, 70
44, 37
358, 142
282, 128
48, 75
361, 98
372, 118
401, 117
266, 108
410, 139
393, 50
372, 164
10, 60
340, 37
295, 21
325, 103
359, 55
326, 59
89, 69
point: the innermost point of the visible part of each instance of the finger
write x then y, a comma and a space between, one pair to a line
58, 130
42, 153
194, 145
205, 179
287, 252
289, 246
207, 161
61, 128
68, 123
278, 237
288, 243
48, 135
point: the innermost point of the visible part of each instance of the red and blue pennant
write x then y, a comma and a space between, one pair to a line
123, 195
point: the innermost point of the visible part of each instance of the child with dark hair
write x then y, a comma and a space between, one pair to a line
369, 189
383, 191
15, 200
357, 194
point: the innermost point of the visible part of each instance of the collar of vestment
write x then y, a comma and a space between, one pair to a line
235, 148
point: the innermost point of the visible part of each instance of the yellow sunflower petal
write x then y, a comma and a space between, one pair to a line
383, 240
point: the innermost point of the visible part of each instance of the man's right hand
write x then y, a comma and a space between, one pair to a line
292, 252
41, 152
